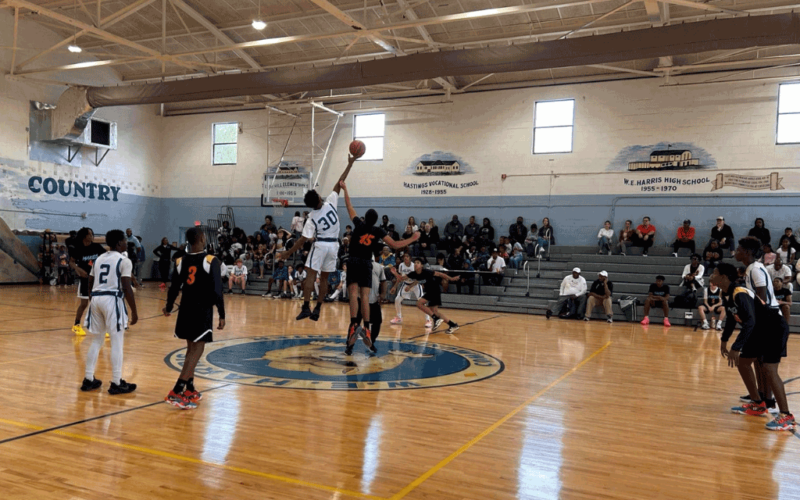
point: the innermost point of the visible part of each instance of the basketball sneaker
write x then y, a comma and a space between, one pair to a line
352, 335
162, 286
180, 401
91, 385
437, 323
122, 388
705, 325
667, 323
397, 320
772, 406
752, 409
452, 329
193, 396
315, 314
719, 325
645, 321
77, 330
428, 323
304, 313
366, 337
783, 422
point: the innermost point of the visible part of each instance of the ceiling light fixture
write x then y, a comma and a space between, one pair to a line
257, 22
73, 47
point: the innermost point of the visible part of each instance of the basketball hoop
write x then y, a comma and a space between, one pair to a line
278, 205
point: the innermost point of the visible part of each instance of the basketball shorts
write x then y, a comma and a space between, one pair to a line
83, 288
775, 336
359, 271
106, 314
413, 293
433, 299
195, 325
712, 309
323, 256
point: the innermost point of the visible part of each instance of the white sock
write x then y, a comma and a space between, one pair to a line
91, 356
398, 304
116, 356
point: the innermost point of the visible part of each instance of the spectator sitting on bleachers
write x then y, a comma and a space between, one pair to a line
434, 233
572, 291
248, 263
604, 238
455, 260
516, 257
334, 282
425, 245
413, 223
348, 231
344, 249
340, 292
486, 234
712, 304
626, 237
685, 238
472, 229
518, 232
693, 273
467, 277
453, 234
768, 256
297, 278
502, 249
385, 223
497, 266
392, 233
600, 295
723, 234
759, 231
280, 275
531, 239
546, 237
657, 295
780, 270
387, 261
265, 228
225, 229
787, 234
712, 255
786, 252
783, 294
644, 236
481, 258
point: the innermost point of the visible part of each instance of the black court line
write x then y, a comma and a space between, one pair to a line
99, 417
26, 306
463, 324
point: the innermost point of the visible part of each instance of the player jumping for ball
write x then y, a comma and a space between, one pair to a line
197, 275
363, 244
323, 227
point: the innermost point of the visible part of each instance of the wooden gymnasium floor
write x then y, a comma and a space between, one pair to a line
579, 411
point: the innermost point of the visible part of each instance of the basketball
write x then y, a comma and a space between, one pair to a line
357, 149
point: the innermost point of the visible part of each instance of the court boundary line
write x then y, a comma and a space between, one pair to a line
462, 325
469, 444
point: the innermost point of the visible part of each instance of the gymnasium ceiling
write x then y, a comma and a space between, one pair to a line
194, 36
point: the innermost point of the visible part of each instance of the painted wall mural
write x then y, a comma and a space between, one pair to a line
662, 156
438, 164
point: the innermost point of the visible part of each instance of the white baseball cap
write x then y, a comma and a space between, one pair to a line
603, 273
576, 270
720, 218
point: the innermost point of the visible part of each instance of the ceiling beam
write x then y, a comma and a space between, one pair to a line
84, 65
624, 70
704, 6
653, 12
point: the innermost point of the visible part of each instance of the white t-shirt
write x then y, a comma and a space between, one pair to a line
700, 271
757, 276
782, 273
297, 223
108, 271
497, 264
786, 256
573, 286
298, 276
324, 223
404, 270
608, 233
239, 271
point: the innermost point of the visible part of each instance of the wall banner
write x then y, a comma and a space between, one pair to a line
753, 182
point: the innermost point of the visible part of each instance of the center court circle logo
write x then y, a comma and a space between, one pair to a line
318, 362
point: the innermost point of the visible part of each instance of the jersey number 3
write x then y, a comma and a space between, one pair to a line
192, 272
104, 270
330, 216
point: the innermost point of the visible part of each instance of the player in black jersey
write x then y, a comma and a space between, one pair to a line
197, 276
432, 298
81, 260
364, 243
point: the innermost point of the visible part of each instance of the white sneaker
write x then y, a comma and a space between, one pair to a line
609, 252
610, 320
719, 325
429, 323
705, 325
396, 320
674, 254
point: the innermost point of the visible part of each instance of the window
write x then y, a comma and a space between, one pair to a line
370, 129
789, 113
225, 136
552, 126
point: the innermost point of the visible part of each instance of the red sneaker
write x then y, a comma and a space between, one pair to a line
192, 396
646, 321
752, 409
180, 401
352, 335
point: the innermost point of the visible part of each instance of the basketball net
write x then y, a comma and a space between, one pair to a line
278, 206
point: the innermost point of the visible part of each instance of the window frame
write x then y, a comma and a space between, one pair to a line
383, 150
572, 135
778, 115
214, 143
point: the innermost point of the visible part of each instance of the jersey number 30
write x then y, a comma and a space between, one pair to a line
330, 216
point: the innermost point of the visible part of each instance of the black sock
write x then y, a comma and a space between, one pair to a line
434, 317
450, 323
319, 305
786, 413
355, 321
190, 385
180, 386
305, 305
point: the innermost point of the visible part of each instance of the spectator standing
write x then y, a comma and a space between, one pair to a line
518, 232
783, 294
453, 234
472, 230
497, 266
62, 260
297, 225
573, 288
723, 234
685, 238
712, 255
604, 238
546, 237
712, 304
779, 270
600, 295
759, 231
626, 235
658, 295
164, 254
644, 236
692, 276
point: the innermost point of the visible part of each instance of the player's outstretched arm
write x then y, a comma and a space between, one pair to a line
402, 243
127, 290
350, 210
444, 276
297, 246
216, 275
350, 160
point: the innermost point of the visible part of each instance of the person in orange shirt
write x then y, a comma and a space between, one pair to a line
644, 236
685, 238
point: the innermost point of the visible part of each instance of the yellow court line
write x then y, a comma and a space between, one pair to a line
174, 456
433, 470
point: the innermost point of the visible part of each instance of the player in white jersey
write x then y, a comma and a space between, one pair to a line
406, 290
110, 282
322, 227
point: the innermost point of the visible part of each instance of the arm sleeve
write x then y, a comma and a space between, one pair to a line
217, 276
174, 288
746, 313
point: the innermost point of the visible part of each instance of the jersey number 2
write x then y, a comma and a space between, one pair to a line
192, 272
104, 270
330, 216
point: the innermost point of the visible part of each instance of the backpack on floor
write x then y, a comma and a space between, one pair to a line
628, 305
